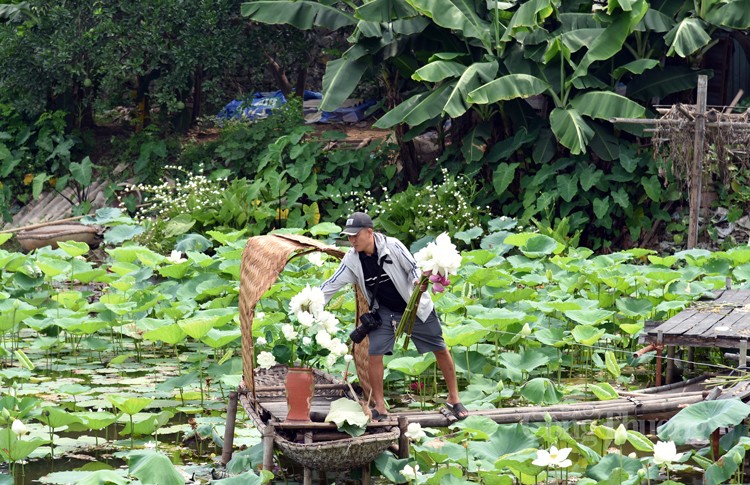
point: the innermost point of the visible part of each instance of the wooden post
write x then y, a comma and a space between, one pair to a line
743, 353
226, 450
268, 433
659, 349
307, 474
696, 169
366, 475
670, 363
403, 440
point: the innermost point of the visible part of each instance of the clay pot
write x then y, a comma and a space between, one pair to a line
300, 386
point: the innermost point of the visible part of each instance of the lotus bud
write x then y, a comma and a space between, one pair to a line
526, 330
19, 428
621, 435
437, 288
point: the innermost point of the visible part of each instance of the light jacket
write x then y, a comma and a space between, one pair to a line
402, 270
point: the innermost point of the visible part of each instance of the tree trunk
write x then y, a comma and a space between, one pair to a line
279, 75
197, 94
407, 150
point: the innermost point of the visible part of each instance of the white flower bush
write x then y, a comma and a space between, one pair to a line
310, 340
266, 360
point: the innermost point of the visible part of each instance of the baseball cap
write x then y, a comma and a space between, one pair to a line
355, 223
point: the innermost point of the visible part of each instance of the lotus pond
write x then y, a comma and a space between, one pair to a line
117, 364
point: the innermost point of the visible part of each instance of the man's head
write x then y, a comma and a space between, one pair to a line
359, 232
355, 223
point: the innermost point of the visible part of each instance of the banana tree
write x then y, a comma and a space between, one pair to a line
518, 59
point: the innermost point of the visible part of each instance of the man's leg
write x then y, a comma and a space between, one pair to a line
376, 383
445, 362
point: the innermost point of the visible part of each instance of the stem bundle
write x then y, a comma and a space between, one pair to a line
406, 325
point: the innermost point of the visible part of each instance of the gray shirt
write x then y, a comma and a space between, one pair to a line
402, 270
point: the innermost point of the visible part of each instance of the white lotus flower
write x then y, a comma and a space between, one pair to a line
306, 319
19, 428
306, 340
261, 341
348, 358
666, 453
415, 432
309, 300
175, 257
316, 258
411, 473
439, 257
289, 332
266, 360
553, 458
323, 338
329, 321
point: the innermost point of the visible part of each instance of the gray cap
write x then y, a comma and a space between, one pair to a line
356, 222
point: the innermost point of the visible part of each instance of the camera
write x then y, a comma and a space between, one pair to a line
368, 322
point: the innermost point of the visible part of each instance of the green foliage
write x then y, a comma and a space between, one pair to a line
425, 211
32, 151
240, 142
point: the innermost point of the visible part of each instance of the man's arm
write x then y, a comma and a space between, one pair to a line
406, 260
342, 277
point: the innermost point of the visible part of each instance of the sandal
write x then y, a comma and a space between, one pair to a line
378, 416
458, 410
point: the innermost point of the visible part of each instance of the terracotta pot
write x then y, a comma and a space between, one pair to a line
300, 386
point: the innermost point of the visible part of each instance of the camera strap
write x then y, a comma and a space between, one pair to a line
377, 278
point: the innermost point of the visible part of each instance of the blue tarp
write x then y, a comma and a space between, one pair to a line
262, 104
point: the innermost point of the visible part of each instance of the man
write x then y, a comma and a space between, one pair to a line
385, 269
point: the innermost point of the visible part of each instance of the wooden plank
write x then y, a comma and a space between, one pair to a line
742, 327
694, 318
733, 296
728, 321
706, 325
673, 322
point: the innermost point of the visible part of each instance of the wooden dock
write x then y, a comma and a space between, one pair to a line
723, 322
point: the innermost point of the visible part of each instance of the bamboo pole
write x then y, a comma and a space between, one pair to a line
696, 170
42, 224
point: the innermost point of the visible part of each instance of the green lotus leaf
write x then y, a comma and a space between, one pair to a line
699, 420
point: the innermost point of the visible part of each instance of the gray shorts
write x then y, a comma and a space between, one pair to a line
427, 335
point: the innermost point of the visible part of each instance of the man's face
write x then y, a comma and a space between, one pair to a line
361, 241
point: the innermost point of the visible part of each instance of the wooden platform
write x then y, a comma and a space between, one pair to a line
723, 322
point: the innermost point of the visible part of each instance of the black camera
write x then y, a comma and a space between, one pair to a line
368, 322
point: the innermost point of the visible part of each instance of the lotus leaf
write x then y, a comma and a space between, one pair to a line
607, 466
699, 420
603, 391
587, 334
541, 390
348, 416
247, 478
130, 405
506, 439
74, 248
466, 333
98, 477
412, 366
724, 468
13, 449
589, 316
153, 468
55, 417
